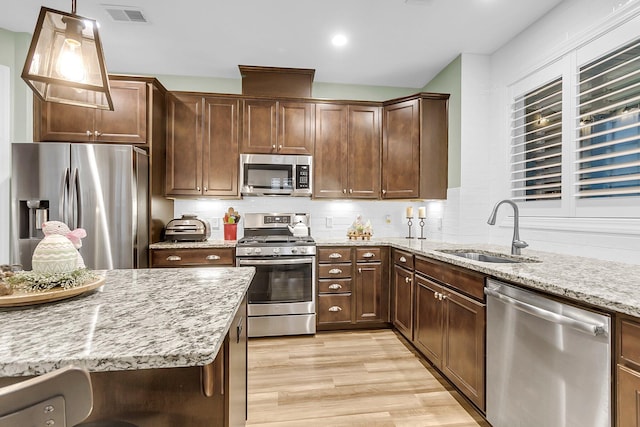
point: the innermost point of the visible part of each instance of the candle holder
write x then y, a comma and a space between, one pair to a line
422, 229
409, 224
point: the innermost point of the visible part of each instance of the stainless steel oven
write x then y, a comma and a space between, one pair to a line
281, 297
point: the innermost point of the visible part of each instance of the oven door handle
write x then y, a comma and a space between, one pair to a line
275, 261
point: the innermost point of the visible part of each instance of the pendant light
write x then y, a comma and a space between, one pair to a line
65, 63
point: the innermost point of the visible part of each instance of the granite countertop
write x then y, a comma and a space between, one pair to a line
210, 243
139, 319
608, 285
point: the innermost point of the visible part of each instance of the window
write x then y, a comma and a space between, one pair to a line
608, 143
575, 135
536, 143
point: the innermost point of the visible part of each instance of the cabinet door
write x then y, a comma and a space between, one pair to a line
628, 397
403, 301
62, 123
330, 166
220, 154
184, 145
463, 355
259, 126
236, 376
296, 123
369, 299
401, 150
428, 333
364, 152
127, 123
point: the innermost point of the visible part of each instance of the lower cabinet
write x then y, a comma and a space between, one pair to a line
236, 364
628, 372
403, 295
353, 287
199, 257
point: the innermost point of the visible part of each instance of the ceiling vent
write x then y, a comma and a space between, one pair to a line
125, 13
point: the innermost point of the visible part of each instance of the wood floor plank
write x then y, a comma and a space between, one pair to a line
355, 378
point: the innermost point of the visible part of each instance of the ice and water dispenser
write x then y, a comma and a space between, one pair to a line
32, 214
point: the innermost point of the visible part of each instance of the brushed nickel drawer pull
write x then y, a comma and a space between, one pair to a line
335, 255
335, 271
335, 286
406, 280
403, 259
369, 255
335, 308
435, 295
212, 257
174, 258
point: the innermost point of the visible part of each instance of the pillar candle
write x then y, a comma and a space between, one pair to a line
410, 212
422, 212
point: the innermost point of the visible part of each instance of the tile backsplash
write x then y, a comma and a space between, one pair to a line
328, 219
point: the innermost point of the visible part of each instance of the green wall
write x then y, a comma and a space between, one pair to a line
449, 80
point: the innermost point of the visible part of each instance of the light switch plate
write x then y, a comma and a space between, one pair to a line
214, 223
329, 222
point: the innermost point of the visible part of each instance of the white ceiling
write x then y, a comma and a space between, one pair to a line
391, 42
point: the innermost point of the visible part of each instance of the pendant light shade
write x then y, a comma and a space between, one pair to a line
65, 63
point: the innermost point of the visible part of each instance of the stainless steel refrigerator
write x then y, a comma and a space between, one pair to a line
101, 188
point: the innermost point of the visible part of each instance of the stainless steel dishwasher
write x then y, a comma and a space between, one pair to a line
548, 363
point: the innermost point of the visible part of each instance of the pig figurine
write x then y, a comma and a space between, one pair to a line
75, 236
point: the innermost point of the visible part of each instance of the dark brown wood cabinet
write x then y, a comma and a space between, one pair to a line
403, 296
347, 151
200, 257
202, 145
450, 324
126, 124
627, 372
372, 290
278, 127
352, 287
414, 147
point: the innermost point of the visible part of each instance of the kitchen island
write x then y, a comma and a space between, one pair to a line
154, 340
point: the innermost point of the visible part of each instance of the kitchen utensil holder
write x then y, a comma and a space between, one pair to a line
409, 224
422, 229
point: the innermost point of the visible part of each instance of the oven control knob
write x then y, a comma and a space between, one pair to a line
258, 250
276, 250
249, 251
303, 250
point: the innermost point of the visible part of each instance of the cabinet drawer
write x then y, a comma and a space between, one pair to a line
368, 254
466, 281
191, 257
334, 308
334, 255
334, 286
339, 271
405, 259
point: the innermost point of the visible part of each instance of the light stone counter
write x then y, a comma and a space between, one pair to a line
608, 285
211, 243
139, 319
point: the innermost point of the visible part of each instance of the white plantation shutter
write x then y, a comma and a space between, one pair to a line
536, 143
608, 128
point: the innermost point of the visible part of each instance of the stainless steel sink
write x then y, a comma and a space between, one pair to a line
486, 256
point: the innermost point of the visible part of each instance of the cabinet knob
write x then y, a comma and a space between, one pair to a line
406, 280
212, 257
360, 270
335, 286
89, 133
174, 258
344, 191
335, 271
403, 259
197, 188
435, 295
442, 296
369, 255
335, 255
205, 188
384, 191
273, 147
279, 147
335, 308
96, 133
351, 191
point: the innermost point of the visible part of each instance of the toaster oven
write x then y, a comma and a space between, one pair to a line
189, 228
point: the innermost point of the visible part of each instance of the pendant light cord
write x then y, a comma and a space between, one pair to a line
73, 7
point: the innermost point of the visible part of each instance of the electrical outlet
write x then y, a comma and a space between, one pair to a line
329, 222
214, 223
387, 219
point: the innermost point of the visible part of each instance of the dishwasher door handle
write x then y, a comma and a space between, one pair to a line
589, 328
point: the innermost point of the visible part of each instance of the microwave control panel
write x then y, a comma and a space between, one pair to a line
302, 176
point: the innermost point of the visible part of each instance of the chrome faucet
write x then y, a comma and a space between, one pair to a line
516, 244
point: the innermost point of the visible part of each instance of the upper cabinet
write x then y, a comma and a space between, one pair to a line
128, 123
347, 151
414, 147
202, 145
277, 127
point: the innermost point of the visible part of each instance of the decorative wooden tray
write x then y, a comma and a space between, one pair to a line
21, 298
356, 236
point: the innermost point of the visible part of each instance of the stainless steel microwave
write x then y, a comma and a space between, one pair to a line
275, 175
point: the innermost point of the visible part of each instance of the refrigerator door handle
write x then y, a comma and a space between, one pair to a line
77, 209
64, 198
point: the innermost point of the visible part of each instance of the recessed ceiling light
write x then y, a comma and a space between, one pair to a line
339, 40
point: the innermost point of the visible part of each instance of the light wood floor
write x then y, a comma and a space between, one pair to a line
360, 378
